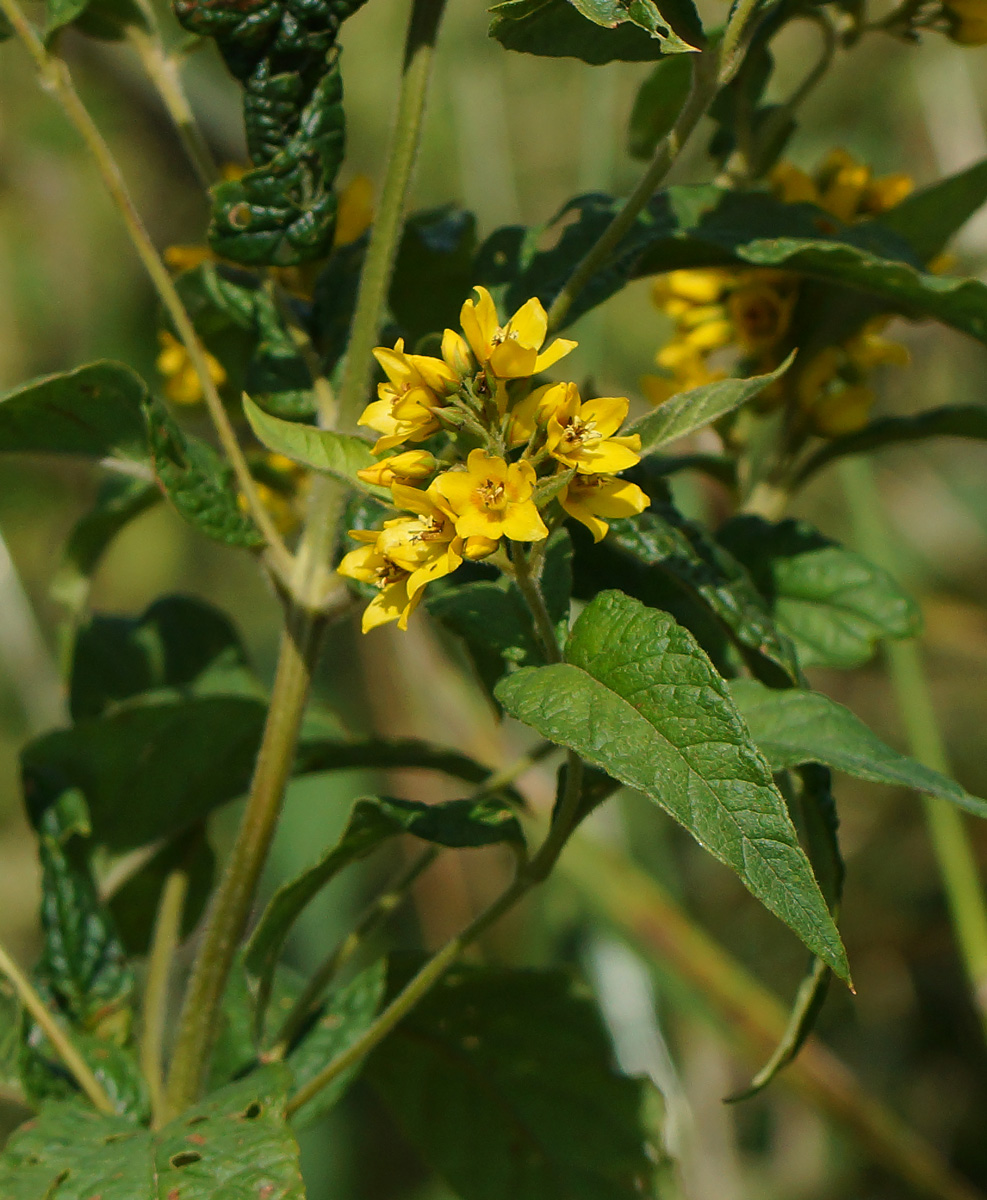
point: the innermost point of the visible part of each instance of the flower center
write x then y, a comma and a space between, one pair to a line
388, 573
430, 529
490, 494
579, 433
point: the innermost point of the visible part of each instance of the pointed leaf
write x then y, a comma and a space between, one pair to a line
797, 726
638, 698
928, 218
658, 103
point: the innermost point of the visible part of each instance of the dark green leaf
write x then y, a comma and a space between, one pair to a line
493, 622
639, 699
233, 1146
6, 29
955, 420
105, 19
120, 501
659, 101
556, 29
341, 1020
835, 605
179, 642
797, 726
334, 299
197, 481
438, 246
338, 454
927, 219
94, 411
692, 410
375, 820
502, 1080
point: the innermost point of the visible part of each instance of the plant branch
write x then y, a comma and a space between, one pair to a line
704, 88
76, 1065
378, 266
57, 81
946, 826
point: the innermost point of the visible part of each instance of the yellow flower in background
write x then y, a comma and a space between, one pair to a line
581, 435
182, 383
416, 385
410, 467
354, 210
491, 499
842, 186
967, 21
843, 411
514, 350
185, 258
591, 498
761, 309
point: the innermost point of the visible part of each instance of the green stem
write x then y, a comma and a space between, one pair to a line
379, 263
636, 905
76, 1065
530, 590
947, 827
736, 38
704, 88
167, 933
57, 81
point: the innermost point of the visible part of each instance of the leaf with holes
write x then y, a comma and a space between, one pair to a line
639, 699
561, 29
500, 1106
834, 604
798, 726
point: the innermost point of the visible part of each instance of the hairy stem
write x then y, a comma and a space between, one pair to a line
704, 88
76, 1065
947, 827
379, 263
57, 81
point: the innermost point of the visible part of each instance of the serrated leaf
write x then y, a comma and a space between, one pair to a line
197, 481
337, 454
500, 1106
928, 218
556, 29
657, 105
94, 411
437, 245
234, 1145
797, 726
692, 410
373, 821
178, 643
120, 501
834, 604
954, 420
639, 699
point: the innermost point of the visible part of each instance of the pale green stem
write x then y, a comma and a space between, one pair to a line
76, 1065
57, 81
384, 236
167, 933
947, 826
704, 88
736, 38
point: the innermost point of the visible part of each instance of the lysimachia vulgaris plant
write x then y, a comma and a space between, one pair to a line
376, 405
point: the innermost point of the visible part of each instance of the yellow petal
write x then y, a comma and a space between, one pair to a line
456, 353
511, 360
395, 364
606, 412
355, 211
558, 349
530, 324
455, 487
579, 512
523, 523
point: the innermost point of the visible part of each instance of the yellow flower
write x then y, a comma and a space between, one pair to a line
590, 498
536, 409
355, 211
693, 287
581, 435
967, 21
456, 353
842, 186
184, 258
514, 350
408, 467
415, 387
761, 312
793, 185
491, 499
182, 384
392, 603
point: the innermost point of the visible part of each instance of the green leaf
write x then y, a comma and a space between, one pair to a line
927, 219
11, 1033
796, 726
197, 481
120, 500
663, 540
557, 29
94, 411
337, 454
438, 246
179, 643
373, 821
657, 105
104, 19
347, 1013
692, 410
235, 1144
954, 420
502, 1081
639, 699
835, 605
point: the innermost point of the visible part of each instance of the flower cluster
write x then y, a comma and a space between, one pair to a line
750, 311
514, 461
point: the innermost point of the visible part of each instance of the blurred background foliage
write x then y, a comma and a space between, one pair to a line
512, 137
